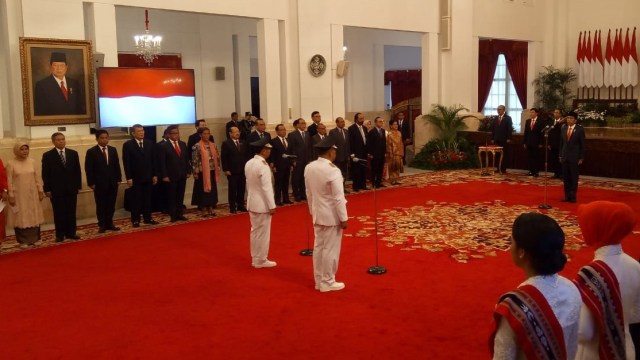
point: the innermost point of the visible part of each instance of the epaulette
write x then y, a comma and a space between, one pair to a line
332, 165
264, 162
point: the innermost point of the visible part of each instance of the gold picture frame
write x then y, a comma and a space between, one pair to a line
47, 100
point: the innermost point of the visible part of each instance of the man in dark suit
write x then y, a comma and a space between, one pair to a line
58, 94
501, 131
138, 160
533, 140
340, 138
232, 123
322, 133
571, 155
102, 167
313, 128
281, 165
376, 149
61, 178
404, 127
258, 134
246, 124
555, 141
159, 200
358, 146
174, 171
300, 146
234, 155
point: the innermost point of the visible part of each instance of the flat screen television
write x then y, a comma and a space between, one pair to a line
149, 97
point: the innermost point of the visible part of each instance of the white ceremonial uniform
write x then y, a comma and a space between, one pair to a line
627, 271
565, 301
260, 200
328, 207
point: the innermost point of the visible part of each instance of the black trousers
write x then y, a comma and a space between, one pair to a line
281, 185
377, 169
505, 157
105, 198
344, 169
64, 213
570, 176
297, 182
175, 197
554, 162
359, 174
235, 191
533, 153
141, 201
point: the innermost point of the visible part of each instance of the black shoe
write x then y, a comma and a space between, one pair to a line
73, 237
572, 201
182, 218
135, 224
173, 220
101, 230
298, 199
59, 239
242, 209
233, 211
565, 200
113, 228
287, 202
151, 222
381, 186
529, 173
278, 203
536, 175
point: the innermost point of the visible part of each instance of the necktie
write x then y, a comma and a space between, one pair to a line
302, 134
64, 161
140, 144
342, 132
284, 143
237, 144
175, 145
64, 91
499, 120
364, 138
104, 154
569, 131
261, 135
533, 123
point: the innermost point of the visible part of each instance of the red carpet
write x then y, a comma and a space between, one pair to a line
189, 291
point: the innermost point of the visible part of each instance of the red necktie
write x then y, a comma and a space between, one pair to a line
533, 122
175, 145
499, 120
569, 134
64, 91
104, 154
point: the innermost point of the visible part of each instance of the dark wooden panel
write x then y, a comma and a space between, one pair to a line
615, 158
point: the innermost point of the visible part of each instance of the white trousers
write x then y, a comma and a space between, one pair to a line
260, 232
326, 253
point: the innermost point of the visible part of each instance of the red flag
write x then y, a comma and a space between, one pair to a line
633, 61
587, 63
597, 65
626, 51
579, 61
608, 68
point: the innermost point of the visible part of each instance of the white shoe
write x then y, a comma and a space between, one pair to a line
333, 287
265, 264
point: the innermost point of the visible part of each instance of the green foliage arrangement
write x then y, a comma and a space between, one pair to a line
552, 88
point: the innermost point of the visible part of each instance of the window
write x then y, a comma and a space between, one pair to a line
503, 92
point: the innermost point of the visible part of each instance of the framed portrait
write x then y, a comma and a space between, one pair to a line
57, 81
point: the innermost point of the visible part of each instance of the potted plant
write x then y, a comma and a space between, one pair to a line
552, 88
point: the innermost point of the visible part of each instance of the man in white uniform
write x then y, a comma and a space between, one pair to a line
260, 203
328, 207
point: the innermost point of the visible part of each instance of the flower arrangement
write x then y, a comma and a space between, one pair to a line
437, 155
487, 122
589, 115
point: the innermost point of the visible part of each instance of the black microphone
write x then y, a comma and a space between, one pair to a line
287, 156
547, 128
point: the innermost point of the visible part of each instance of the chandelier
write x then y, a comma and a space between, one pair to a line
147, 45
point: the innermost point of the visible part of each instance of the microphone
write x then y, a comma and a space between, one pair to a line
546, 128
287, 156
358, 161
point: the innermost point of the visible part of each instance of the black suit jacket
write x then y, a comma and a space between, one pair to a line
231, 124
58, 178
277, 150
254, 136
342, 143
49, 100
312, 129
356, 143
299, 147
501, 131
234, 158
99, 173
533, 138
376, 143
174, 166
572, 149
139, 165
555, 139
405, 130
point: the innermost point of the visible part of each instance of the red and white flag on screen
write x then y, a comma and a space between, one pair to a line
633, 61
586, 62
608, 54
579, 61
597, 65
166, 94
626, 51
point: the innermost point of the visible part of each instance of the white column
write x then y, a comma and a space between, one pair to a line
337, 55
459, 82
243, 84
269, 65
430, 87
102, 31
11, 108
534, 66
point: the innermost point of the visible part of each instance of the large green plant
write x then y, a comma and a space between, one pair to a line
448, 120
552, 88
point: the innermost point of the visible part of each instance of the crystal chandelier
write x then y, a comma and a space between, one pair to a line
147, 45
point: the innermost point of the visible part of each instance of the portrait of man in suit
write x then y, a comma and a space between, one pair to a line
59, 94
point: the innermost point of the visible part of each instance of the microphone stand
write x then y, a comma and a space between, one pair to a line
376, 269
308, 251
544, 205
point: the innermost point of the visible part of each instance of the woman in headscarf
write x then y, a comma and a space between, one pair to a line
4, 188
205, 173
539, 319
25, 196
395, 152
610, 285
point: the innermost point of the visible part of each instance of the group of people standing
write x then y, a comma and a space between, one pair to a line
565, 143
551, 317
